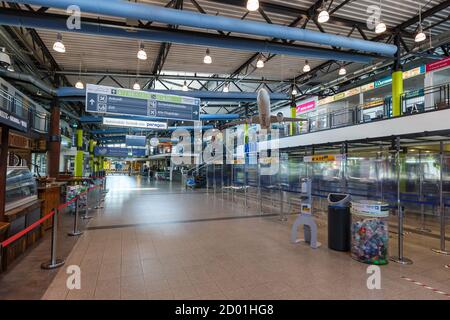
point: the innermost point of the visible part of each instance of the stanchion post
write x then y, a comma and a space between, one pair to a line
54, 262
400, 258
214, 177
441, 249
75, 231
282, 216
422, 227
86, 208
99, 200
259, 189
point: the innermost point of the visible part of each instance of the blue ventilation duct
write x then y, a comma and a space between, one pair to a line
182, 37
146, 12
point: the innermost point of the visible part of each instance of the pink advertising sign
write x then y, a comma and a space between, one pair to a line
438, 64
306, 107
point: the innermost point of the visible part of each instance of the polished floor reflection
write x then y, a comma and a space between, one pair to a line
156, 240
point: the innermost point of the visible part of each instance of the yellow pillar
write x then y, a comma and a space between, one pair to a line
79, 158
293, 115
91, 156
397, 91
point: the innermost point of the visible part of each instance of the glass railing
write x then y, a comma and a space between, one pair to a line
413, 102
38, 121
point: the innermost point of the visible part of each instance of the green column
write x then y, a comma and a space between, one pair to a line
91, 156
397, 91
79, 158
293, 115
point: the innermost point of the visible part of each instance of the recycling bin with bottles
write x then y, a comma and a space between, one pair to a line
369, 232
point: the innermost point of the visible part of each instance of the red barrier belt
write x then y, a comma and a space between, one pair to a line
8, 241
26, 230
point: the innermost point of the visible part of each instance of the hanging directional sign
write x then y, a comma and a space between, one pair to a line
135, 141
110, 100
119, 152
129, 123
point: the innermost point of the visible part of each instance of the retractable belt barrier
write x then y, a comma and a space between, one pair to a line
54, 263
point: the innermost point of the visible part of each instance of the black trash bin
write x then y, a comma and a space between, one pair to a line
339, 221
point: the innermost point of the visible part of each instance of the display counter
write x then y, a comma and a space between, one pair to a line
18, 219
52, 195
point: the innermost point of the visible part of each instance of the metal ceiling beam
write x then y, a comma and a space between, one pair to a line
292, 11
164, 49
308, 76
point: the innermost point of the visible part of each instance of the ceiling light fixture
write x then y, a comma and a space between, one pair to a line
185, 87
207, 59
226, 89
323, 16
420, 36
136, 86
79, 85
260, 63
252, 5
142, 55
342, 71
380, 27
59, 46
306, 67
294, 91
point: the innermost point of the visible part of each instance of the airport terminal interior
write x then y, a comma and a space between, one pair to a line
225, 150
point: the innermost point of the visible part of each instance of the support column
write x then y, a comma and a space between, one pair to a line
397, 82
80, 154
91, 156
54, 145
3, 169
293, 115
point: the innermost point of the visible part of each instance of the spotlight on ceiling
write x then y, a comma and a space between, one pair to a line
142, 55
207, 59
59, 46
79, 85
252, 5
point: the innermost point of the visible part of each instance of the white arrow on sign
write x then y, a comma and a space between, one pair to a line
91, 101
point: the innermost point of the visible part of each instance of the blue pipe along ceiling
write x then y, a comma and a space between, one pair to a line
181, 37
147, 12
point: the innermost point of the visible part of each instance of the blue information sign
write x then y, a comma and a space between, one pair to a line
135, 141
110, 100
119, 152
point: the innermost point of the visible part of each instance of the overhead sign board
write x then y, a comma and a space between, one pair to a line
307, 106
9, 119
134, 123
438, 64
110, 152
118, 152
135, 141
324, 158
110, 100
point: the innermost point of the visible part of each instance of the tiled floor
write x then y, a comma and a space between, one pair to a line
157, 241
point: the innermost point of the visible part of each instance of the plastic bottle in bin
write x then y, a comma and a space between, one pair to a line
370, 234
